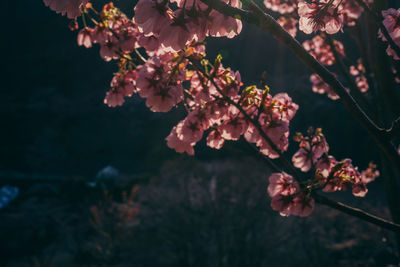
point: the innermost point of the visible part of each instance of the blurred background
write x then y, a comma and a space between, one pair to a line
82, 184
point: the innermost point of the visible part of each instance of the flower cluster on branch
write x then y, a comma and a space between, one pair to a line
161, 57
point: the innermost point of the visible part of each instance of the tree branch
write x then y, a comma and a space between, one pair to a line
266, 22
357, 213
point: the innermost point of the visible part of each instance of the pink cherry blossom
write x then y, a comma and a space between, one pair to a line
359, 190
223, 26
114, 98
321, 50
228, 80
178, 145
191, 129
362, 84
283, 204
176, 34
151, 16
109, 50
234, 126
85, 37
281, 6
392, 53
391, 21
351, 12
322, 16
278, 133
324, 165
101, 34
344, 175
189, 3
122, 85
320, 87
162, 99
289, 24
302, 159
155, 83
150, 43
274, 121
370, 174
285, 107
201, 88
282, 184
359, 72
303, 205
71, 8
215, 140
312, 147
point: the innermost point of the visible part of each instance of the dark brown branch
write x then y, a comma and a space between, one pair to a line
357, 213
266, 22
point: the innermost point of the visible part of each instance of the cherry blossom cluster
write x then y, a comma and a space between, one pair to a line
323, 17
391, 21
161, 57
162, 28
316, 15
358, 71
166, 75
287, 196
70, 8
333, 175
191, 21
320, 87
216, 103
116, 34
294, 197
322, 51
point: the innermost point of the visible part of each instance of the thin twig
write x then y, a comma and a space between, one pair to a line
357, 213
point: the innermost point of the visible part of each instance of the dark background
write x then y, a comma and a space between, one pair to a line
54, 124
